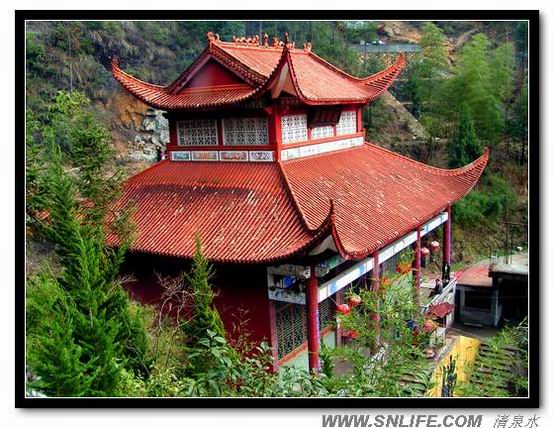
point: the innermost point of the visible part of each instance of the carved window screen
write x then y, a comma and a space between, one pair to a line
322, 132
294, 128
347, 123
249, 131
291, 324
197, 132
290, 320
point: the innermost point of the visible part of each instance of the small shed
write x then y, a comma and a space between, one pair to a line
478, 302
493, 290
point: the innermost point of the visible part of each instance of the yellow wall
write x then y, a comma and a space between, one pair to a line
464, 351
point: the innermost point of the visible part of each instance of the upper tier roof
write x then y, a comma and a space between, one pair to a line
315, 80
365, 197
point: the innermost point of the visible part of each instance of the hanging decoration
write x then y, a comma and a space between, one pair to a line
434, 246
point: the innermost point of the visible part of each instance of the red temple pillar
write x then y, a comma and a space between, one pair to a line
375, 285
417, 263
338, 331
447, 238
376, 277
312, 309
447, 247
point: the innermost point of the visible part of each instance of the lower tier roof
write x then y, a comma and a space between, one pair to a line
366, 197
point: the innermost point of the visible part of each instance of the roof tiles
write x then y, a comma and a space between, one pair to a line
316, 80
375, 195
366, 197
240, 210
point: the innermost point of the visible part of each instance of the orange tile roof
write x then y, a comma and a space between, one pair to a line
375, 195
366, 197
476, 275
316, 80
241, 210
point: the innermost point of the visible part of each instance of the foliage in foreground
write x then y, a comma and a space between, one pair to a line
209, 366
82, 331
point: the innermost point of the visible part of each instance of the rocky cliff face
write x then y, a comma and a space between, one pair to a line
138, 131
152, 135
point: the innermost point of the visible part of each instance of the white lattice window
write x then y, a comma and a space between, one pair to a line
248, 131
322, 132
347, 123
197, 132
294, 128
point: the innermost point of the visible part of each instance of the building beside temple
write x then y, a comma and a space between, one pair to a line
268, 164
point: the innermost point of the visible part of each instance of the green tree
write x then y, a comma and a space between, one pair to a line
431, 67
502, 65
464, 147
205, 325
473, 85
82, 330
518, 126
206, 316
521, 37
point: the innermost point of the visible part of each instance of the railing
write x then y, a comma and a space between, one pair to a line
394, 48
439, 298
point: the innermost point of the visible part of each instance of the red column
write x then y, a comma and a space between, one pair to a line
273, 332
375, 285
375, 278
417, 263
312, 309
447, 238
447, 247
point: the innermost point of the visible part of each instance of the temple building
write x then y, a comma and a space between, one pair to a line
268, 164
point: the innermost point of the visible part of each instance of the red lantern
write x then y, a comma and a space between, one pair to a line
434, 246
425, 251
343, 309
376, 317
354, 301
350, 334
429, 326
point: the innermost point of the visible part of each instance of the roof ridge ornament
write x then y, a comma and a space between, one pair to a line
212, 38
252, 40
308, 46
287, 42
